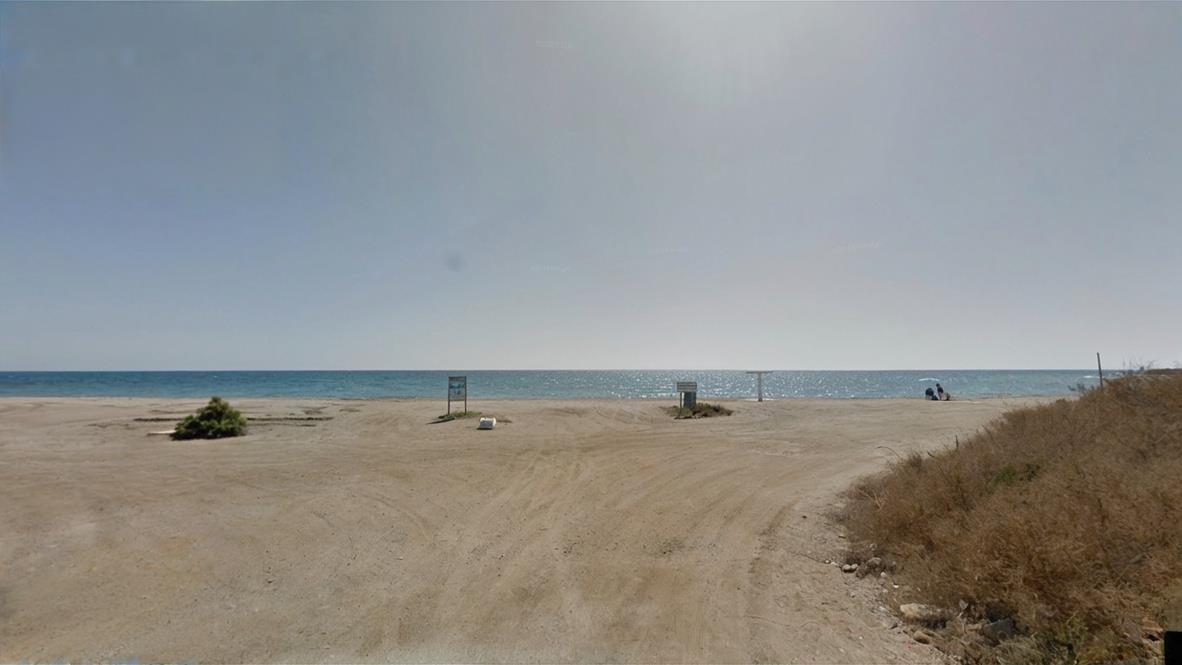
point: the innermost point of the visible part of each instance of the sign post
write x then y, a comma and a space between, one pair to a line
457, 389
687, 393
759, 381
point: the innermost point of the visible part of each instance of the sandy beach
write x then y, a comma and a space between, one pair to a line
357, 530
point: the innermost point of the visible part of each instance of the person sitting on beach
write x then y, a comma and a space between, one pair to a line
931, 394
939, 392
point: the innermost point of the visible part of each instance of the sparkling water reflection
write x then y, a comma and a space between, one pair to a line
542, 383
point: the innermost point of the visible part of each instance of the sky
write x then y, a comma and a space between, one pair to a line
483, 186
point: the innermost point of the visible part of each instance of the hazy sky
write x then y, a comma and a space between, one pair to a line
829, 186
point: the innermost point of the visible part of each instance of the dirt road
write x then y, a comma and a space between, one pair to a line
579, 531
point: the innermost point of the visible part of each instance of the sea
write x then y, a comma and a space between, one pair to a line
627, 384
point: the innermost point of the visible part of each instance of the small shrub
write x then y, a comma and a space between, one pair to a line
700, 410
216, 420
448, 417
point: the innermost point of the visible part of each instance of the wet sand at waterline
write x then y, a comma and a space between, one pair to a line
356, 530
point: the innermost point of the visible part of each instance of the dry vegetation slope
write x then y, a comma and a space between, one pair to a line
1065, 518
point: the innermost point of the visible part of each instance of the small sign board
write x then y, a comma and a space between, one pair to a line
457, 390
687, 394
457, 387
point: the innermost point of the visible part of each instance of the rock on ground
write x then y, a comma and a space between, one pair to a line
920, 613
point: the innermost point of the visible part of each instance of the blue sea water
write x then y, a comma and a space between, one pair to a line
541, 383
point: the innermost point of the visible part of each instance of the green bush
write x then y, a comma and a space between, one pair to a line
700, 410
216, 420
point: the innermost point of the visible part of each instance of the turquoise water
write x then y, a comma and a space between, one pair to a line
541, 383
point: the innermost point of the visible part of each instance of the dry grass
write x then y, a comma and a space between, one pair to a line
1066, 518
700, 410
454, 415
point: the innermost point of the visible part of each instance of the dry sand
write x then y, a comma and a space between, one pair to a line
590, 531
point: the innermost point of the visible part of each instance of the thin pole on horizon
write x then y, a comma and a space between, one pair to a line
759, 381
1099, 370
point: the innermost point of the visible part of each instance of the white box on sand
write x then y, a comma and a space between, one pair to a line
487, 423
